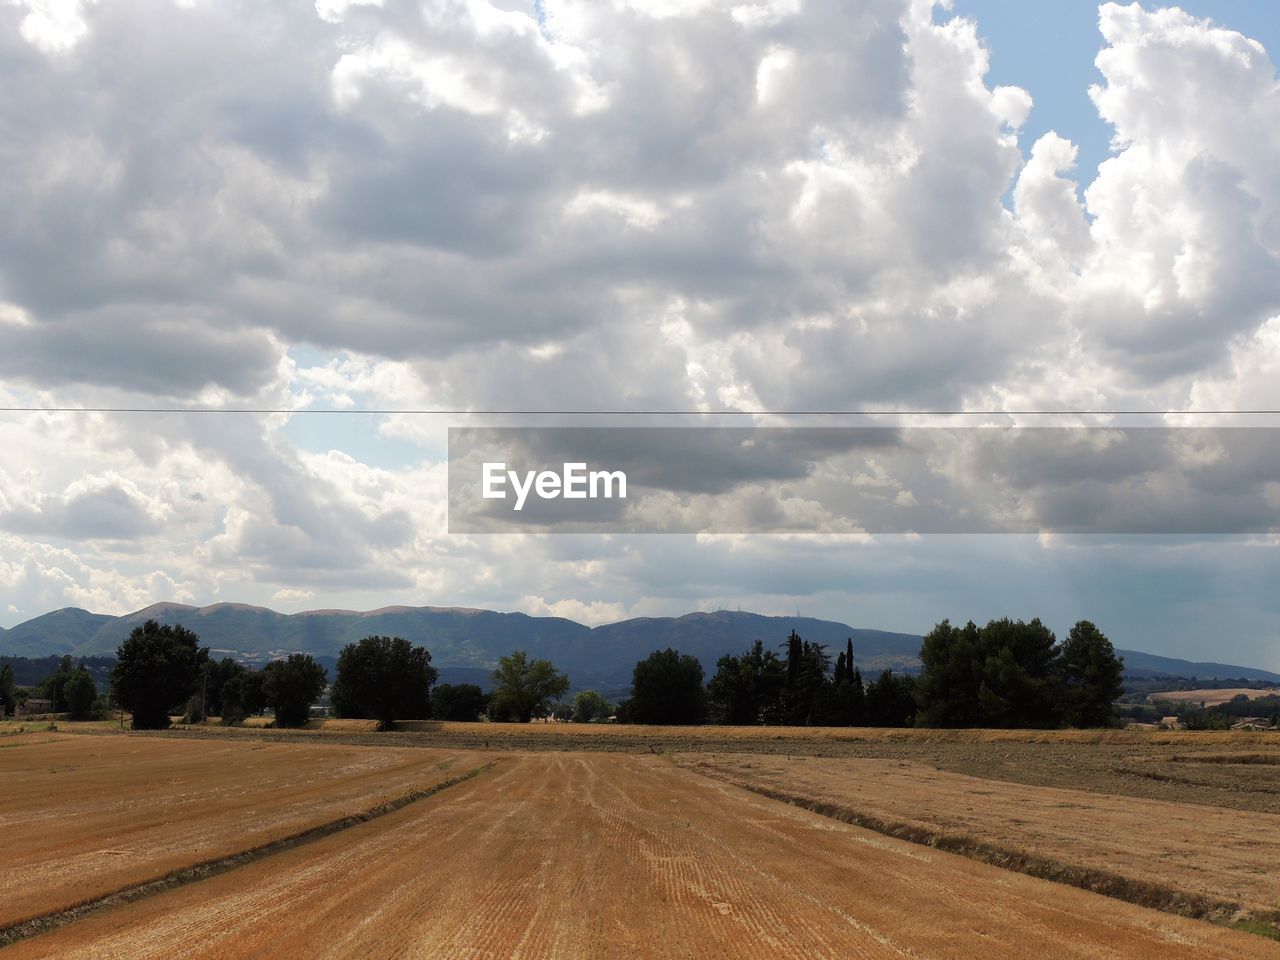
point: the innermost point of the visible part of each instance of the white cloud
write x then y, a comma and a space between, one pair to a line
54, 26
710, 205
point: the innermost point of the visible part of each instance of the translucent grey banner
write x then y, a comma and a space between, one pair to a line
1122, 480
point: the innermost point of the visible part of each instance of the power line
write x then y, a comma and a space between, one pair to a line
260, 411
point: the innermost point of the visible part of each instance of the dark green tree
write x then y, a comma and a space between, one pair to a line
589, 705
217, 676
252, 698
291, 686
747, 688
891, 701
848, 702
951, 678
808, 696
157, 669
1091, 678
231, 709
666, 688
80, 693
1019, 686
384, 679
458, 701
53, 687
523, 688
1005, 674
8, 692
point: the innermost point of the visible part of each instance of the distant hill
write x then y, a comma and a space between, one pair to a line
1144, 665
466, 643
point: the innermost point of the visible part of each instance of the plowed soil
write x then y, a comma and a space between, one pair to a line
1212, 853
564, 855
1156, 765
83, 816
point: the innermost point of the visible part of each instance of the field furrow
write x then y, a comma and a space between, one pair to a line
85, 816
599, 856
1212, 853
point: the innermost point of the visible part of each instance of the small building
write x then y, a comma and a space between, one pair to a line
34, 707
1172, 723
1253, 723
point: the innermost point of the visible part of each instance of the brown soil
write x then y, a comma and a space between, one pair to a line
568, 855
1204, 856
1129, 763
84, 816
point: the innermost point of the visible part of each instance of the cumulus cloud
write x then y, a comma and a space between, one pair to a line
720, 205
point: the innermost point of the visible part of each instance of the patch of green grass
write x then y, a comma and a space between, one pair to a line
1256, 927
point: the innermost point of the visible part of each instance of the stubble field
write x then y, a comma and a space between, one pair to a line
650, 851
84, 816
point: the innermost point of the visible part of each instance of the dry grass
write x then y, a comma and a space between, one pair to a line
1211, 698
1178, 857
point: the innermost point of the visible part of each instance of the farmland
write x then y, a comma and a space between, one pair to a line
577, 841
85, 816
1212, 698
1230, 856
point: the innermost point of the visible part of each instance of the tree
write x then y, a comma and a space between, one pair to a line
1019, 686
1091, 676
589, 705
458, 701
80, 693
291, 686
232, 695
53, 687
1002, 675
8, 694
747, 689
157, 668
891, 701
847, 700
806, 695
252, 698
949, 682
383, 679
524, 687
217, 676
666, 688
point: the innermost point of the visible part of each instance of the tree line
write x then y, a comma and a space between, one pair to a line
162, 670
1005, 674
1008, 673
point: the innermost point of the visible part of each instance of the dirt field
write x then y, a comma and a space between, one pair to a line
564, 855
83, 816
1212, 854
1155, 765
1211, 698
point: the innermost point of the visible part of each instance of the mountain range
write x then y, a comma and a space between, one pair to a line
466, 643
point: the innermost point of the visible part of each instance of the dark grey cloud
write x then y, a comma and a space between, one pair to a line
143, 350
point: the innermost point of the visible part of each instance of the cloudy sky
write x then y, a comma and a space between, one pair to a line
720, 206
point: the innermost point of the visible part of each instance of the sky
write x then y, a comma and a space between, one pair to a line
715, 206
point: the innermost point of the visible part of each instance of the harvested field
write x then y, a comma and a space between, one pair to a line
1212, 698
84, 816
1196, 855
567, 856
1131, 763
